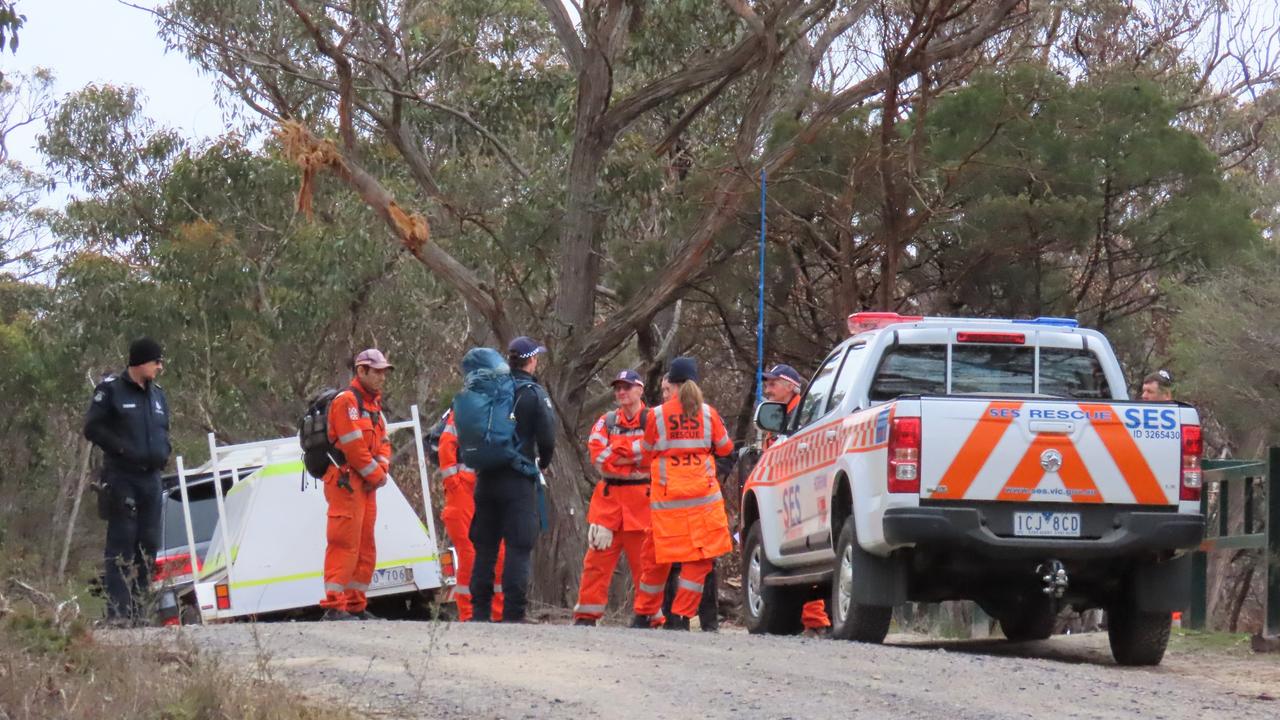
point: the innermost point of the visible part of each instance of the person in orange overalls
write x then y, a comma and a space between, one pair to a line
618, 516
359, 433
783, 384
459, 509
688, 523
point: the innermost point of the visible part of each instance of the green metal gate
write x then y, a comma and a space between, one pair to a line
1254, 533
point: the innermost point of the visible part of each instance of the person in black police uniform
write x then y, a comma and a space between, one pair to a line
506, 499
129, 419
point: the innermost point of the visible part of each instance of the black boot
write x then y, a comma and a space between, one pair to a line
677, 622
585, 622
640, 622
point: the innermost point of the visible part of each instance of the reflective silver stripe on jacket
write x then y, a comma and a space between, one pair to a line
660, 423
597, 437
497, 588
450, 471
358, 586
603, 456
645, 588
462, 590
689, 585
348, 437
380, 459
686, 503
334, 587
368, 470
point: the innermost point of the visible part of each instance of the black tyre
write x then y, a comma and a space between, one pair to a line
1138, 638
774, 610
851, 620
1031, 620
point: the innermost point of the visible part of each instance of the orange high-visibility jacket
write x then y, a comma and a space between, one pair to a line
452, 470
687, 510
792, 404
357, 428
621, 500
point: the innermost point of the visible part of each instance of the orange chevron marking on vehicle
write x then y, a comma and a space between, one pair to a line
1128, 458
974, 452
1028, 474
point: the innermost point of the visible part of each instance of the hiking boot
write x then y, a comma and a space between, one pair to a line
584, 622
334, 614
640, 622
365, 615
817, 633
677, 622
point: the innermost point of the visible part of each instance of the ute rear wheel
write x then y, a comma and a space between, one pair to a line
1138, 638
771, 609
851, 620
1031, 620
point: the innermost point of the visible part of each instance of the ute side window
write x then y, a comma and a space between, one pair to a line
814, 404
910, 370
1073, 373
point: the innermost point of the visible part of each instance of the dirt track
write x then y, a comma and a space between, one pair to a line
443, 670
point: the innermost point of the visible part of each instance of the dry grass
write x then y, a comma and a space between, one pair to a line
53, 664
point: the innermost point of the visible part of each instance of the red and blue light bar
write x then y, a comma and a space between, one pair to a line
867, 321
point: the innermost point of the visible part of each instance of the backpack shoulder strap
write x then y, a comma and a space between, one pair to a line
611, 421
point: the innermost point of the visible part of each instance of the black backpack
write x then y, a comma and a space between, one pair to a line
318, 453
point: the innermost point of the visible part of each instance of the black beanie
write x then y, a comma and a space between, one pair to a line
143, 350
683, 369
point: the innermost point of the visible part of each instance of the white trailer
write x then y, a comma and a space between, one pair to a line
266, 554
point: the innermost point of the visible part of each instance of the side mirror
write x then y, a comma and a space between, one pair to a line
772, 417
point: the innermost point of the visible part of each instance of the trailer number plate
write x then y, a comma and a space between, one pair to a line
391, 577
1046, 524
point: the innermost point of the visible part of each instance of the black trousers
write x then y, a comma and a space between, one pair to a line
708, 609
506, 511
133, 536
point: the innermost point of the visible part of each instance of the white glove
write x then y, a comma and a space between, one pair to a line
599, 537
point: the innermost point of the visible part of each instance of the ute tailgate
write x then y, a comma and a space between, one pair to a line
1037, 450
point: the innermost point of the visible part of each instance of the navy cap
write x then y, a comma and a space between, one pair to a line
630, 377
525, 347
784, 372
682, 369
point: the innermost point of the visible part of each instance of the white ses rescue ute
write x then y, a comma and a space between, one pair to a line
998, 461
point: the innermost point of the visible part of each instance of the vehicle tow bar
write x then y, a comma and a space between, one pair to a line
1054, 577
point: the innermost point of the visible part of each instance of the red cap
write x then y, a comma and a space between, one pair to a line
373, 358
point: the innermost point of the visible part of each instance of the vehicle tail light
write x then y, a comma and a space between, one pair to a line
223, 595
172, 566
1192, 451
904, 455
997, 338
446, 564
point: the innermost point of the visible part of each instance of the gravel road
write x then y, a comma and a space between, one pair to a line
446, 670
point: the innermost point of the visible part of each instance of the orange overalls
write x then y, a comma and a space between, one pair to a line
459, 508
620, 502
814, 614
688, 523
358, 430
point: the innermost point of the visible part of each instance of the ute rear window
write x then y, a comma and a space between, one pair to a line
988, 370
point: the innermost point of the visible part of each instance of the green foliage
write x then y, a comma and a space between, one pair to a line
1074, 193
1226, 344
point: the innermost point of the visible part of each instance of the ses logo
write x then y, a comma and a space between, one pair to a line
1153, 423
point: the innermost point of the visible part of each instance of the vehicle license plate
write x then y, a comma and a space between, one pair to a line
1046, 524
391, 577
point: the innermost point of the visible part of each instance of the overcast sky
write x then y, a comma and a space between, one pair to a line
102, 41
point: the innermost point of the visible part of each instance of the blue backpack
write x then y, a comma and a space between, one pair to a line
484, 414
